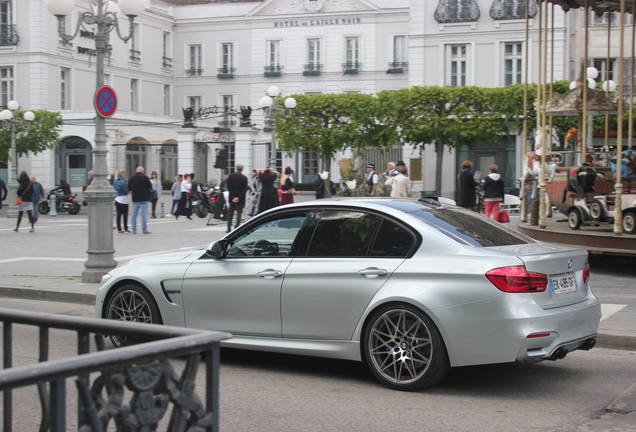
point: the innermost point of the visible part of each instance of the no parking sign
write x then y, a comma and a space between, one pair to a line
105, 101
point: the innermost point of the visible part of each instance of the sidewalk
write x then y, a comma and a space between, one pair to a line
48, 264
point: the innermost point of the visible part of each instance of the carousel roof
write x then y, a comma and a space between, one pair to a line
599, 6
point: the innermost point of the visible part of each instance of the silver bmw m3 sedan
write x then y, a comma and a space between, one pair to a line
411, 287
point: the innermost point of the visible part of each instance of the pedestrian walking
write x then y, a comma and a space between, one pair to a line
467, 183
400, 186
121, 202
493, 192
269, 194
256, 187
237, 188
391, 170
287, 187
185, 209
38, 195
140, 187
372, 179
25, 195
176, 194
3, 192
156, 191
401, 163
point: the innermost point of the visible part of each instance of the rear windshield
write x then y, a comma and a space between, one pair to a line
469, 228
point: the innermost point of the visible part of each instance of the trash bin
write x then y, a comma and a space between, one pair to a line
429, 193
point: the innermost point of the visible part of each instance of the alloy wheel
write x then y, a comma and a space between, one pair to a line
129, 305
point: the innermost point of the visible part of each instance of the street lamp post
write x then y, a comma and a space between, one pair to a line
9, 122
272, 111
99, 193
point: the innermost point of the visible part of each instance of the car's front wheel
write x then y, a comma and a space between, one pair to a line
133, 304
404, 349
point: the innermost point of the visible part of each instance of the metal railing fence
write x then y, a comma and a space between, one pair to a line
142, 370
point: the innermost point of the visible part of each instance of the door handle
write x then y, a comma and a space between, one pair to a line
372, 272
269, 274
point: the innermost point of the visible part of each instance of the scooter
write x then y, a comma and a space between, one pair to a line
70, 205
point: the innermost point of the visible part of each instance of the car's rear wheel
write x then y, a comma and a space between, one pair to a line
574, 219
44, 207
404, 349
74, 208
597, 210
132, 304
629, 222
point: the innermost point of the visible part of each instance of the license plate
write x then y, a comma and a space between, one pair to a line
195, 202
563, 283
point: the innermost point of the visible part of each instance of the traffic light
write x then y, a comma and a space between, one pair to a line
221, 158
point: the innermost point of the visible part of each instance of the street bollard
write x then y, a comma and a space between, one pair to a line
163, 212
53, 204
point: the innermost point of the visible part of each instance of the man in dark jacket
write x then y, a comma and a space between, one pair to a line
3, 192
38, 195
65, 188
237, 188
140, 186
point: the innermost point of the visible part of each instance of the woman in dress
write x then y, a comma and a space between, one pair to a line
25, 192
184, 203
269, 194
467, 183
287, 187
156, 191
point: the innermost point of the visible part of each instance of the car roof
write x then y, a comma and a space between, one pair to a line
405, 205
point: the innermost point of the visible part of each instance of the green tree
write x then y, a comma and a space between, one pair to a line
331, 123
442, 116
36, 136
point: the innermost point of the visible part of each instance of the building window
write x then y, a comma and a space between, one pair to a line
6, 85
353, 52
313, 52
513, 61
194, 102
457, 67
134, 95
195, 63
65, 80
227, 120
136, 155
8, 34
603, 72
273, 53
135, 45
227, 58
310, 165
399, 49
166, 51
166, 100
611, 18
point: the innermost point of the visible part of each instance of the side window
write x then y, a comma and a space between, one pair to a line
269, 239
392, 241
343, 233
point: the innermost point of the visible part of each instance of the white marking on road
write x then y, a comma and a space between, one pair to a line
120, 258
610, 309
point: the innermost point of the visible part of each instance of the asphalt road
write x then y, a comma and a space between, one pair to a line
271, 392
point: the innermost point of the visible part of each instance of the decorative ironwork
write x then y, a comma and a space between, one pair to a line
216, 136
512, 9
167, 62
227, 70
351, 67
571, 103
143, 370
9, 35
135, 55
273, 71
397, 67
194, 72
454, 11
312, 69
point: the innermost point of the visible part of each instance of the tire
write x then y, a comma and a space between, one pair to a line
74, 208
201, 211
131, 303
44, 207
629, 222
597, 211
404, 349
574, 219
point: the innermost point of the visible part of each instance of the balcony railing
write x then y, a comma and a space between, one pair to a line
135, 55
312, 69
397, 67
351, 67
227, 123
9, 35
226, 72
273, 71
135, 385
167, 62
194, 72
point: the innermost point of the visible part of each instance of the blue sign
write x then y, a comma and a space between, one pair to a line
106, 101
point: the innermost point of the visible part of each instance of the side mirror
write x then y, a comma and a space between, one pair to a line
217, 249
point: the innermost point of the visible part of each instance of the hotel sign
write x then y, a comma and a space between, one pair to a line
318, 22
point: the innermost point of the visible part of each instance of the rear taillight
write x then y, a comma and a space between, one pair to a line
516, 279
586, 273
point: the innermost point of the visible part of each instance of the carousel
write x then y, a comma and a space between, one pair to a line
594, 188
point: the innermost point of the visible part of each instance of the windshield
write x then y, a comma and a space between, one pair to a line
471, 229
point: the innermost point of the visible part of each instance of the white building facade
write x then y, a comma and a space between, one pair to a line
227, 54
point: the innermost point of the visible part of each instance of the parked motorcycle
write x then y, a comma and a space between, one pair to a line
207, 201
69, 205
